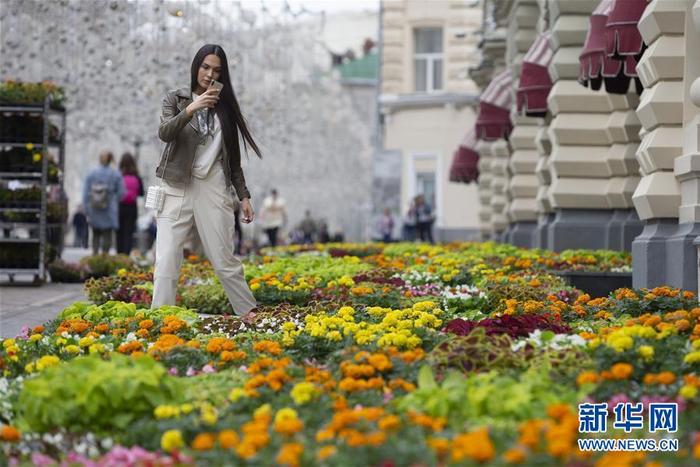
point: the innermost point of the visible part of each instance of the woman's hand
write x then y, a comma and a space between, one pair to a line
208, 99
246, 211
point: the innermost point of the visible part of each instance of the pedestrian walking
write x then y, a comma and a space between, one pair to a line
308, 227
409, 223
386, 225
199, 166
273, 216
102, 190
128, 210
80, 228
424, 219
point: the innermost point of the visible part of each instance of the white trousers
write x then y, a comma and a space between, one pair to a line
209, 206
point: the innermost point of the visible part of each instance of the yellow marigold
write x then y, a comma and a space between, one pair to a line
688, 392
692, 357
303, 392
646, 352
171, 440
287, 422
228, 439
203, 442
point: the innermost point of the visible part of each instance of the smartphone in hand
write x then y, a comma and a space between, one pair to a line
216, 85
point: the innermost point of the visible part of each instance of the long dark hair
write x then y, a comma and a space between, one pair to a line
127, 165
227, 109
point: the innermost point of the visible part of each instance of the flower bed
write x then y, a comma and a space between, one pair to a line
401, 354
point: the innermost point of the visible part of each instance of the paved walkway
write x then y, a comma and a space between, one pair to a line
22, 304
27, 305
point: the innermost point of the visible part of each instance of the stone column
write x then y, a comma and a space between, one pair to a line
484, 187
500, 152
623, 132
522, 210
522, 187
545, 212
657, 197
686, 168
579, 136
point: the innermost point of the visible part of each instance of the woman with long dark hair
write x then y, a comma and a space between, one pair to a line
128, 211
199, 167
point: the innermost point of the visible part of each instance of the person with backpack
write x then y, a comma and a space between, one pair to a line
102, 190
128, 210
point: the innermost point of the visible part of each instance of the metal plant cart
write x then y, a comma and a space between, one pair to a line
38, 226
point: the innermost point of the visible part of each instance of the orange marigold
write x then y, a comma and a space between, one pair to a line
666, 377
228, 439
621, 370
203, 441
587, 377
9, 433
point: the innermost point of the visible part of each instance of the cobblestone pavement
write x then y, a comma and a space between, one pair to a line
22, 304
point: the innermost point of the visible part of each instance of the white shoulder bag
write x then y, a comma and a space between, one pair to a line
155, 196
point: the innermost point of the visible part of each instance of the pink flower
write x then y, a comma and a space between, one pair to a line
190, 371
208, 369
41, 459
24, 332
617, 399
173, 371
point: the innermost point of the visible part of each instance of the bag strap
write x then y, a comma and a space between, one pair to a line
165, 165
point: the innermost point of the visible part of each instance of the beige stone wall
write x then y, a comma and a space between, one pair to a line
660, 109
423, 132
500, 155
484, 189
459, 20
522, 185
593, 133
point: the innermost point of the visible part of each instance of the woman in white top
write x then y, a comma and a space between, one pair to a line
199, 166
274, 216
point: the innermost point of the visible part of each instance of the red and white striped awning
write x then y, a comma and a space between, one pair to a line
535, 82
465, 160
623, 38
611, 49
493, 121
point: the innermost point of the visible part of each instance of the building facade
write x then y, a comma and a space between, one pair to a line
426, 104
614, 153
